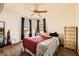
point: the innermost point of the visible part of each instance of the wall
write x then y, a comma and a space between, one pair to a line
59, 16
12, 22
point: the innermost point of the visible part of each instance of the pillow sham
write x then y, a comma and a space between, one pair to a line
45, 35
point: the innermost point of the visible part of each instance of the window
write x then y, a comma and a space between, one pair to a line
41, 26
26, 28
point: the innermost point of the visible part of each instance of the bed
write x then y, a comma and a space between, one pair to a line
41, 46
47, 47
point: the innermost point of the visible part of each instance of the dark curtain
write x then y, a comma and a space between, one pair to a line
37, 30
30, 28
44, 21
22, 28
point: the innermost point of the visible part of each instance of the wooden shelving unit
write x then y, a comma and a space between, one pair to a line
70, 40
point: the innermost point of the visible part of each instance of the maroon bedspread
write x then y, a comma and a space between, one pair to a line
31, 43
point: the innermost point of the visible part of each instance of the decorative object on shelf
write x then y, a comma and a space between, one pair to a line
8, 37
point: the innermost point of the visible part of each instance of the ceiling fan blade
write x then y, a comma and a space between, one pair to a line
36, 11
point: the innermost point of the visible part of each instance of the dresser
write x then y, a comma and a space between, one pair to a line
70, 37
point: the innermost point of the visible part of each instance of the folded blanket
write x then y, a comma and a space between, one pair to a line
31, 43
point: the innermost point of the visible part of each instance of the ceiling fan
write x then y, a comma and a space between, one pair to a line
38, 11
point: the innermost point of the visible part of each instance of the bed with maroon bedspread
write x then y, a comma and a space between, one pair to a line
30, 43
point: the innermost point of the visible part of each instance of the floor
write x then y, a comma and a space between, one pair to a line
11, 50
61, 51
16, 50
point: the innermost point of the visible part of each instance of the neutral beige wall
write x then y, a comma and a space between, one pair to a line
59, 16
12, 23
